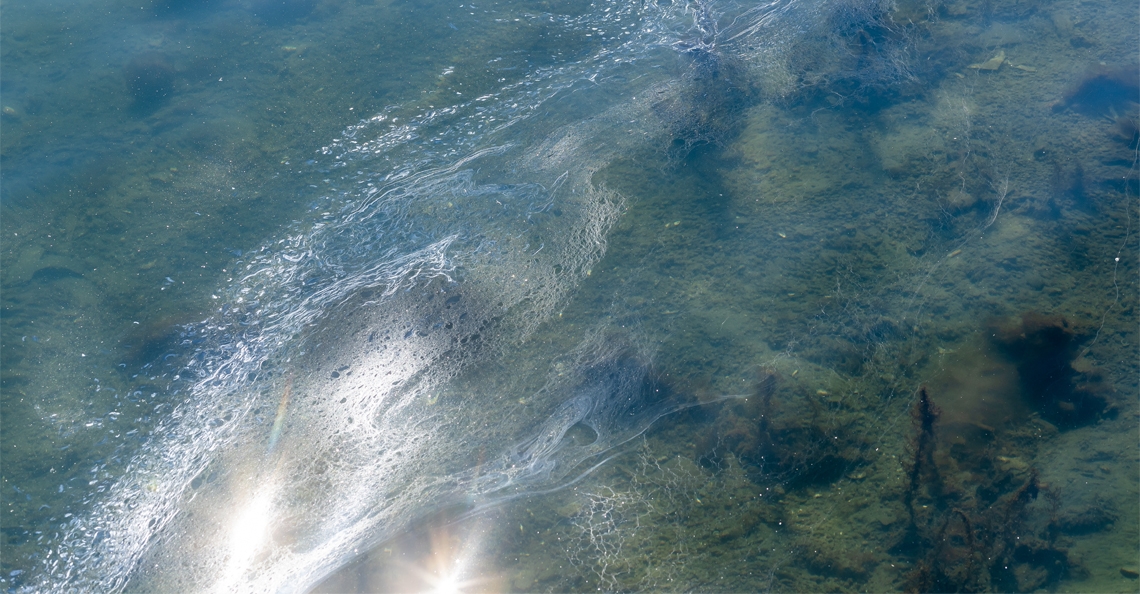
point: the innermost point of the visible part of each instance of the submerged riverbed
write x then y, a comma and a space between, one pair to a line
324, 295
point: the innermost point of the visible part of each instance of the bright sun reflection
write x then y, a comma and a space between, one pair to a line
450, 583
448, 568
247, 535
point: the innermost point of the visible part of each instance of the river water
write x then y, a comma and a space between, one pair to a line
351, 295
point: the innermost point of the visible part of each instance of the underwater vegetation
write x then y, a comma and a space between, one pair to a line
711, 112
784, 435
792, 440
974, 523
861, 55
978, 534
971, 512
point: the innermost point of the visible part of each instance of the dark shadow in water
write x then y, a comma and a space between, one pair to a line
277, 13
1065, 389
1103, 91
150, 341
184, 8
150, 82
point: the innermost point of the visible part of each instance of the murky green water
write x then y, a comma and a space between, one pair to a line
771, 228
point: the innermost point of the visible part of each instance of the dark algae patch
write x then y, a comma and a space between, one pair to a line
1066, 391
977, 534
782, 437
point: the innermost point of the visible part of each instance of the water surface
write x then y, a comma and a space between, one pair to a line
325, 295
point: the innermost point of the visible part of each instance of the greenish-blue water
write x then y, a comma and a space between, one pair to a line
342, 295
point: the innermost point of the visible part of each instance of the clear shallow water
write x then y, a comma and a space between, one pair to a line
567, 297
